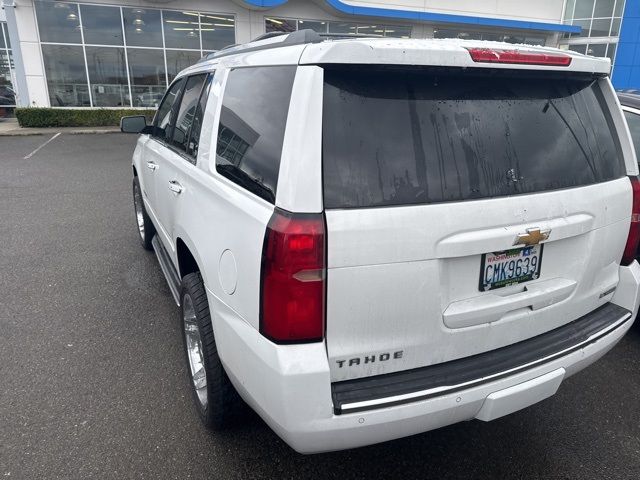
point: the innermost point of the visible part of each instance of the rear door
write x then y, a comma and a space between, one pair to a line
466, 211
155, 151
174, 159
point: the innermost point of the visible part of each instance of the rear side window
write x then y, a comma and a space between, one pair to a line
252, 123
187, 110
633, 120
194, 138
414, 136
163, 124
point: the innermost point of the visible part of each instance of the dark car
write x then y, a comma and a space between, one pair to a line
630, 101
7, 96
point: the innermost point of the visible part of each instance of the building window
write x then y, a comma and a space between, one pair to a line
315, 25
343, 28
107, 56
101, 25
579, 48
490, 36
142, 28
178, 60
59, 22
108, 76
7, 92
66, 75
217, 31
181, 30
148, 76
284, 25
599, 18
600, 24
595, 49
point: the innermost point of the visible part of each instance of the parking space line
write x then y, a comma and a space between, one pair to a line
41, 146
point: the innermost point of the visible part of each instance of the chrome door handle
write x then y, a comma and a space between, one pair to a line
152, 166
175, 187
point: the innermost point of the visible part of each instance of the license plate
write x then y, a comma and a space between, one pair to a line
510, 267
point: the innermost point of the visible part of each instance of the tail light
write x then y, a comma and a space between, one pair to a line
493, 55
633, 240
293, 278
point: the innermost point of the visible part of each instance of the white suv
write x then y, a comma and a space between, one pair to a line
371, 238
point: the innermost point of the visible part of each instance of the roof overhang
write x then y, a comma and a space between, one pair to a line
421, 16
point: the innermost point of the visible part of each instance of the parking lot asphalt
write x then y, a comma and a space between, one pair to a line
93, 381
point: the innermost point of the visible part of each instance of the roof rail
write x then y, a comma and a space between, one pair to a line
345, 36
299, 37
264, 36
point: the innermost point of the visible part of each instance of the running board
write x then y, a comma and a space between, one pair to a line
170, 273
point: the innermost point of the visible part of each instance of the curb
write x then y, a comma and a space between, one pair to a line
26, 132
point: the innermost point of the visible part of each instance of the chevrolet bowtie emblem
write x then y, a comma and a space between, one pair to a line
533, 236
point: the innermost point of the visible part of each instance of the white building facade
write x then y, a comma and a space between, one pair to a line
125, 53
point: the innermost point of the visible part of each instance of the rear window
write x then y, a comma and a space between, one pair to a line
414, 136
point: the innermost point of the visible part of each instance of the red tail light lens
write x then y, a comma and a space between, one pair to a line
491, 55
633, 240
293, 278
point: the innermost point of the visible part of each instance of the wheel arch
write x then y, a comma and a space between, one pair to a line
187, 262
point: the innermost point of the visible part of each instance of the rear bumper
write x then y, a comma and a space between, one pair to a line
290, 387
380, 391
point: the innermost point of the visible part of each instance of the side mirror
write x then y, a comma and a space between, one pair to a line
134, 124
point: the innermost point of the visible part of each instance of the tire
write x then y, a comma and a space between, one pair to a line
218, 402
144, 224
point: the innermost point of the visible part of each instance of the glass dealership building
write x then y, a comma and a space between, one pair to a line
125, 53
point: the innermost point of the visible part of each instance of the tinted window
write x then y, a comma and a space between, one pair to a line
252, 123
187, 110
633, 120
163, 122
194, 138
394, 137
